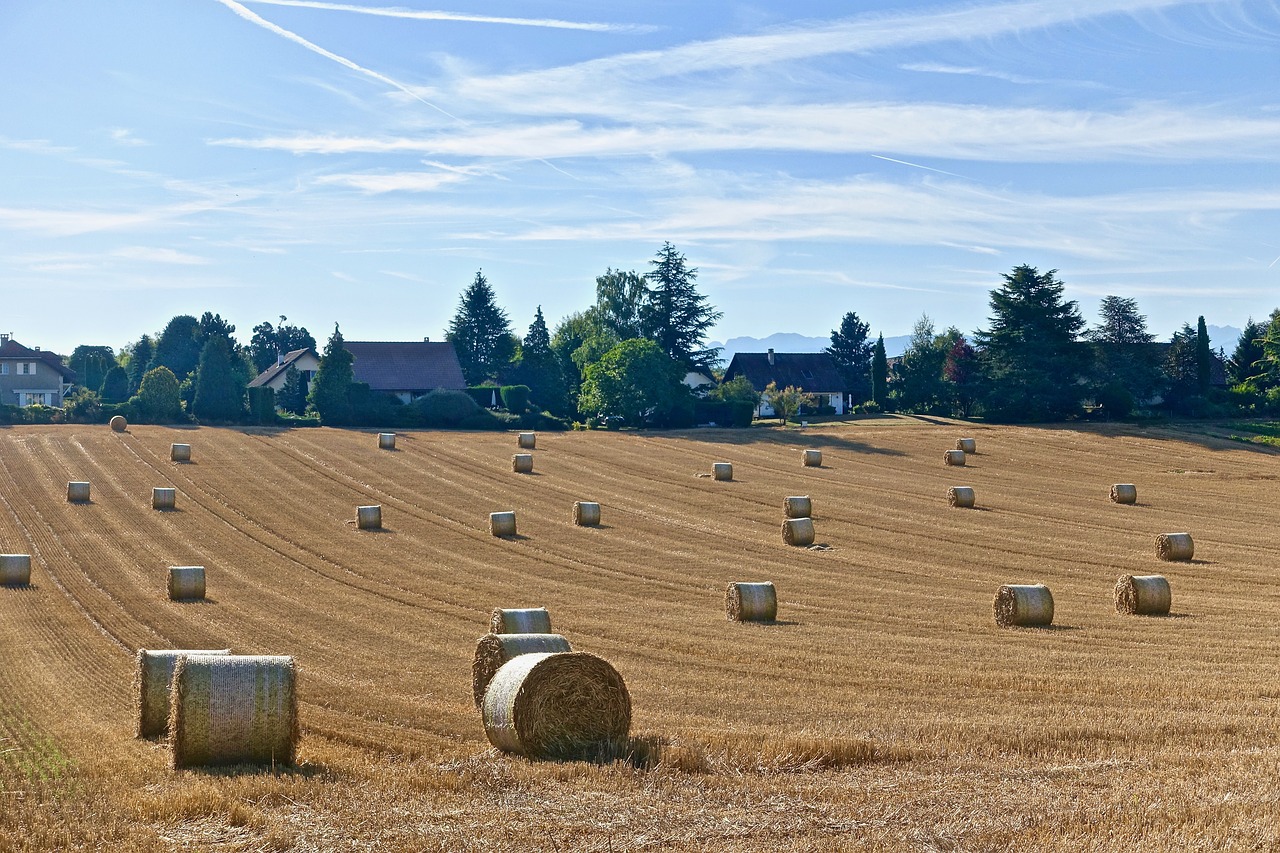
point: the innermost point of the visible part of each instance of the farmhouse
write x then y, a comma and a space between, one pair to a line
405, 369
31, 377
814, 372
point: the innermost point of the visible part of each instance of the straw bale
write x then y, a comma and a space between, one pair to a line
586, 513
1175, 546
234, 709
564, 705
1023, 604
152, 679
493, 650
186, 583
15, 569
180, 452
811, 458
797, 506
961, 496
968, 445
751, 602
722, 471
119, 424
520, 620
369, 517
527, 440
1124, 493
77, 491
1143, 595
522, 463
386, 441
798, 531
954, 457
164, 498
502, 523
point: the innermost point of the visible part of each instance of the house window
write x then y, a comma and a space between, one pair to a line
27, 368
807, 374
4, 369
35, 398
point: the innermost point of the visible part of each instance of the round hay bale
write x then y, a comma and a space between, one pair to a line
493, 650
798, 531
1175, 546
961, 496
1124, 493
968, 445
163, 498
564, 705
180, 452
520, 620
811, 458
586, 513
386, 441
522, 463
233, 709
1023, 604
186, 583
369, 517
77, 491
119, 424
15, 569
527, 441
152, 679
797, 506
1143, 595
502, 523
722, 471
954, 457
751, 602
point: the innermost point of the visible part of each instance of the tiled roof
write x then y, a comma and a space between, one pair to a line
814, 372
275, 370
12, 349
417, 366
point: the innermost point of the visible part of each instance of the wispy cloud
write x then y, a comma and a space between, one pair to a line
124, 136
158, 255
35, 146
395, 182
423, 15
327, 54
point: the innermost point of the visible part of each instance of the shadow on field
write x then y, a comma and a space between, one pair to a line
1211, 435
302, 770
765, 435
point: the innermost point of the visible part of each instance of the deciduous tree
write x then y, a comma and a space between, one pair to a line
637, 382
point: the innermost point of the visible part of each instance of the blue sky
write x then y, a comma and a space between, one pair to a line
358, 163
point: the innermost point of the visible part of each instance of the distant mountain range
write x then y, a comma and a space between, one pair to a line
1224, 337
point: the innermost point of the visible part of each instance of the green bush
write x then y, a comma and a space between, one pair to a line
871, 407
262, 405
484, 395
44, 415
83, 407
515, 398
543, 421
1115, 400
447, 409
128, 411
485, 419
291, 420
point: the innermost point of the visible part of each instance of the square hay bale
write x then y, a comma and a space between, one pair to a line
186, 583
961, 497
386, 441
78, 491
522, 463
1023, 604
234, 709
15, 569
520, 620
798, 532
527, 440
586, 513
502, 523
968, 445
180, 452
811, 458
1124, 493
722, 471
1175, 547
954, 457
797, 506
152, 680
751, 602
369, 517
164, 498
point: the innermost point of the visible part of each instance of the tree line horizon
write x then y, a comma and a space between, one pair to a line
623, 361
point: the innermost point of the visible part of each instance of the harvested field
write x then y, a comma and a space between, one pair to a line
886, 711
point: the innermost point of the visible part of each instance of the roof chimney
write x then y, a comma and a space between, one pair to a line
426, 340
5, 336
771, 356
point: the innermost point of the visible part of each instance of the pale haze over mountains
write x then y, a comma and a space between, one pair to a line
1223, 337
